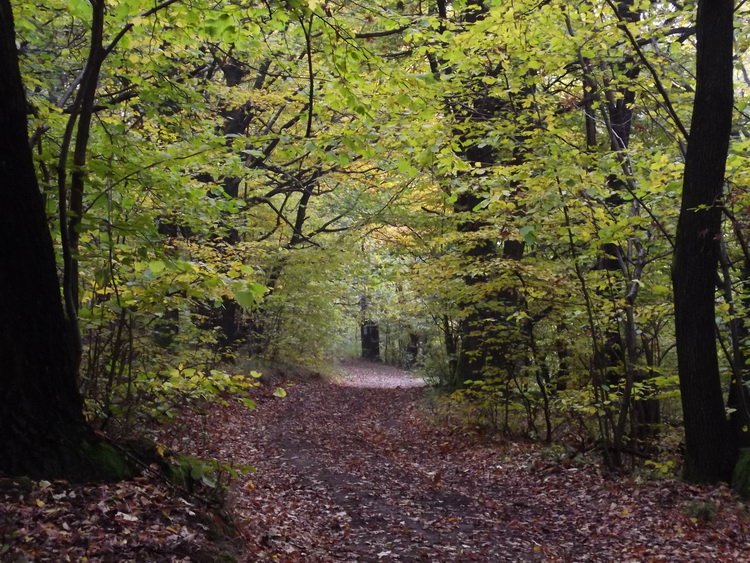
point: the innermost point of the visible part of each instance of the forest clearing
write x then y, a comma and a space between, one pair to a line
359, 470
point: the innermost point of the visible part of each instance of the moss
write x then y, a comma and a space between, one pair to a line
179, 473
107, 462
741, 475
703, 511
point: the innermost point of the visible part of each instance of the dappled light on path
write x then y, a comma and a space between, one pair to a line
373, 375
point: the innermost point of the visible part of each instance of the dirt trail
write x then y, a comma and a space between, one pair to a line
355, 472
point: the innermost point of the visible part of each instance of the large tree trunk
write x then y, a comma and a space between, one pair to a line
709, 451
483, 338
42, 429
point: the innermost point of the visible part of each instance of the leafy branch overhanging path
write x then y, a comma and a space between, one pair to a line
355, 471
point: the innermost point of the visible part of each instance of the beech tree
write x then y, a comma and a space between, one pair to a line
709, 453
42, 429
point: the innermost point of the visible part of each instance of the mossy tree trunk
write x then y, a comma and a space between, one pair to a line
741, 475
43, 432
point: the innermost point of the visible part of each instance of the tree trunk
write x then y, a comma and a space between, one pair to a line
483, 344
709, 451
42, 429
370, 340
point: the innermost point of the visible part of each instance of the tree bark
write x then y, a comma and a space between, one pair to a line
370, 333
709, 450
43, 432
483, 343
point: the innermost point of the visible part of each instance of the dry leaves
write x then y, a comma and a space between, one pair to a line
139, 520
357, 472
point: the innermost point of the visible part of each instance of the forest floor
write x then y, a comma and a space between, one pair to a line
357, 470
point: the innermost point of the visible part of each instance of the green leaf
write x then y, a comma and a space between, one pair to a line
156, 267
249, 403
246, 298
281, 393
481, 205
197, 471
528, 234
80, 9
248, 294
257, 288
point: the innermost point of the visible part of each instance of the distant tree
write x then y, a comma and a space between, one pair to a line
43, 432
370, 340
710, 453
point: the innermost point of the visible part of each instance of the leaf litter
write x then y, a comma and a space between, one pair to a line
357, 471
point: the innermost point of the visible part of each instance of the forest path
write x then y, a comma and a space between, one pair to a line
355, 471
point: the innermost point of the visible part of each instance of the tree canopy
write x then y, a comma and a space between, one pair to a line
495, 186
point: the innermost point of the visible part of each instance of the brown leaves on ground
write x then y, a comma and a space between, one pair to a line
138, 520
356, 471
